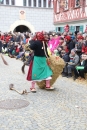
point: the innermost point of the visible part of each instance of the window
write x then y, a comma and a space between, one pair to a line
49, 4
59, 29
7, 2
1, 1
44, 3
77, 3
12, 2
29, 2
77, 28
24, 2
39, 3
66, 5
34, 1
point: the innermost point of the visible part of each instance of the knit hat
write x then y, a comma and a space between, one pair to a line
80, 37
68, 38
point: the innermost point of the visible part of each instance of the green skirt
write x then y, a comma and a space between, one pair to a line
40, 69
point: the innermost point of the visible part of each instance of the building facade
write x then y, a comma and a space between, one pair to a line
26, 15
71, 12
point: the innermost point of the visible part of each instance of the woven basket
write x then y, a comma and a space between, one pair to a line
56, 64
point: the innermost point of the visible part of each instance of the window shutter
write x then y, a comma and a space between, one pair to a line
81, 28
61, 29
56, 29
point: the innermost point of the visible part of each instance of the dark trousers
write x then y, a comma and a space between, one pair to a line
82, 72
69, 68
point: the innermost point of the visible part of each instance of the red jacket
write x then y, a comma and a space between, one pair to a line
17, 49
1, 37
7, 38
84, 49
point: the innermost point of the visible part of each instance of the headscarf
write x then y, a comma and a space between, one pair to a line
40, 36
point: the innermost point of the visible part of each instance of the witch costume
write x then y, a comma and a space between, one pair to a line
39, 69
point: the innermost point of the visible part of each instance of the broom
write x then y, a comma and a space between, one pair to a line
11, 87
4, 60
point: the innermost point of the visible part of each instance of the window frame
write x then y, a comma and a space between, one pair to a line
24, 4
29, 3
44, 3
39, 4
1, 2
14, 3
78, 5
8, 2
34, 3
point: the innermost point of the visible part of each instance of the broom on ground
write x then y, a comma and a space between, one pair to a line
11, 87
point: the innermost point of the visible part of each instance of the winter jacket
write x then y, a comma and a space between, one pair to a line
84, 48
70, 45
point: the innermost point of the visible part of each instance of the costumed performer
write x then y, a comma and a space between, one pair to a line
39, 69
53, 43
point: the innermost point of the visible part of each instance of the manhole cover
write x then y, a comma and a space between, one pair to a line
13, 104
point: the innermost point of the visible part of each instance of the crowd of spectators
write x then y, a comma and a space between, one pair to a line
72, 47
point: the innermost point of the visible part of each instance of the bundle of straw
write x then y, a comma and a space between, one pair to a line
56, 64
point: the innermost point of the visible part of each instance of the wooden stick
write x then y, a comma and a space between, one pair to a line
11, 87
4, 60
22, 68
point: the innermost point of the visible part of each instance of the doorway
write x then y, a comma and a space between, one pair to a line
22, 28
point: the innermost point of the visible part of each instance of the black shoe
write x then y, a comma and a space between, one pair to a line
75, 77
64, 75
69, 76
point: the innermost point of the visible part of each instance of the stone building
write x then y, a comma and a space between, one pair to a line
71, 12
26, 15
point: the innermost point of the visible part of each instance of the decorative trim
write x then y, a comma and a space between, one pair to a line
22, 22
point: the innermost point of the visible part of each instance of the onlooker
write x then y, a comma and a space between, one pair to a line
69, 43
70, 66
84, 47
82, 68
79, 45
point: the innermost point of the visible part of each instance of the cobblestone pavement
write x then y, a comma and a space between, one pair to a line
65, 108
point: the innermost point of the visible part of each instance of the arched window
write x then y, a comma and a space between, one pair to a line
12, 2
7, 2
39, 3
34, 2
29, 2
1, 1
24, 2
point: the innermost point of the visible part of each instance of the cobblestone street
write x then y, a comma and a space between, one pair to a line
65, 108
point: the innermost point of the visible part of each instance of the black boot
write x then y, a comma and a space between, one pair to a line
69, 75
75, 77
64, 74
